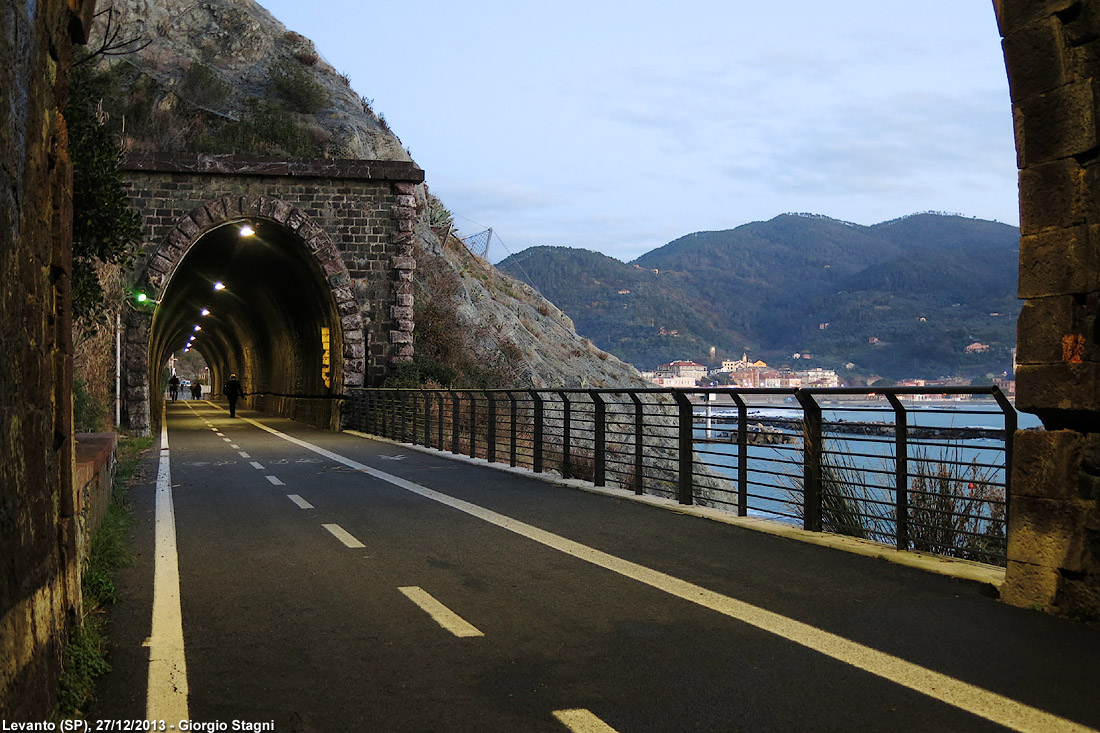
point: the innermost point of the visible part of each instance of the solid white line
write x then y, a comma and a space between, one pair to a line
973, 699
257, 465
302, 503
442, 615
244, 455
343, 535
275, 480
582, 721
167, 694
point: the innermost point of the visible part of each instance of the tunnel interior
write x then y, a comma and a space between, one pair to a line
258, 305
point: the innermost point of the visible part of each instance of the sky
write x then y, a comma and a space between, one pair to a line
619, 126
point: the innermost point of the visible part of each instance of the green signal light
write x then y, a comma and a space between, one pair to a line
141, 297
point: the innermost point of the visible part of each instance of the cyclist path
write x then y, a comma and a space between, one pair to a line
331, 582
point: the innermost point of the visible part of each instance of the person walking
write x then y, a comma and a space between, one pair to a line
174, 387
233, 391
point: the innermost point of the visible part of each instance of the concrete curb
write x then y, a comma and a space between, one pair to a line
952, 567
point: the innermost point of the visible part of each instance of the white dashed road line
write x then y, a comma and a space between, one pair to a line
242, 454
442, 615
257, 465
302, 503
274, 480
343, 535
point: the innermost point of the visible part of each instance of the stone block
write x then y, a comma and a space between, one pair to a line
404, 187
1046, 389
1015, 14
1057, 124
1047, 465
354, 351
1052, 195
1060, 262
1048, 532
401, 312
1035, 59
216, 210
281, 211
188, 226
201, 217
231, 205
403, 263
400, 337
178, 239
1043, 321
405, 299
295, 219
1030, 586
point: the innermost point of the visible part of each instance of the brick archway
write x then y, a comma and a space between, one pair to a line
165, 260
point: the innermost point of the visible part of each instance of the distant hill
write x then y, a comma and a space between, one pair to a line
902, 298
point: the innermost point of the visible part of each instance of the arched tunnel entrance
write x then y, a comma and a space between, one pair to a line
251, 298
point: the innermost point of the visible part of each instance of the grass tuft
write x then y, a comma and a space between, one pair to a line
85, 658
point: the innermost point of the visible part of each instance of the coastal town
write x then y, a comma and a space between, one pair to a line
748, 373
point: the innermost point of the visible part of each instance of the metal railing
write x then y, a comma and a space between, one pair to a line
916, 468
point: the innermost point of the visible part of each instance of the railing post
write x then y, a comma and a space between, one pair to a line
742, 455
1011, 425
811, 461
427, 397
536, 448
473, 424
901, 469
491, 433
566, 449
439, 427
403, 434
454, 421
513, 433
599, 439
639, 444
686, 426
385, 433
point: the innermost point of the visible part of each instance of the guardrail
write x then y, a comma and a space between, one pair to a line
916, 468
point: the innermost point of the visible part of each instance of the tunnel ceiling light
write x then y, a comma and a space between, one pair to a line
219, 285
247, 230
205, 312
198, 327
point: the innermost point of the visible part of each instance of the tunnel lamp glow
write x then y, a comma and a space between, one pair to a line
205, 312
219, 286
247, 231
198, 328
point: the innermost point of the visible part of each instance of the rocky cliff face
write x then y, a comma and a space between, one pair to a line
224, 76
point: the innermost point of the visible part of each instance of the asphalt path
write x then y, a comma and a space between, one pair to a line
349, 584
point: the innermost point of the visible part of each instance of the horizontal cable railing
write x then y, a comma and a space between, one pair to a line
917, 468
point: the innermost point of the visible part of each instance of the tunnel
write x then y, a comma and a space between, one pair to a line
252, 300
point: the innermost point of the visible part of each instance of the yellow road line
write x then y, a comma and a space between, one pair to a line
442, 615
580, 720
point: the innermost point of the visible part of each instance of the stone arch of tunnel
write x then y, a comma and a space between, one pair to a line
332, 250
278, 321
284, 321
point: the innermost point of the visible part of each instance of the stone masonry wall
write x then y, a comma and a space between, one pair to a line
356, 217
1052, 53
39, 563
